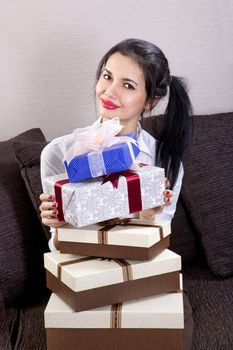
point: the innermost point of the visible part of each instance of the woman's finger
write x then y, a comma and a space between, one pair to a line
167, 200
148, 214
168, 193
53, 222
49, 213
45, 197
49, 221
167, 183
167, 197
48, 205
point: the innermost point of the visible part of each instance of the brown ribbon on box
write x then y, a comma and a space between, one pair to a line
110, 224
116, 315
126, 267
58, 196
133, 187
70, 262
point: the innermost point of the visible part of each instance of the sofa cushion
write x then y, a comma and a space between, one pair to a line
22, 240
27, 323
28, 154
207, 188
183, 238
211, 299
5, 341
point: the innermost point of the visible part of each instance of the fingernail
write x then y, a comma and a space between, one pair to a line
167, 192
54, 212
50, 197
54, 205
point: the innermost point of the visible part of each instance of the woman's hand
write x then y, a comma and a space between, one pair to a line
49, 212
149, 214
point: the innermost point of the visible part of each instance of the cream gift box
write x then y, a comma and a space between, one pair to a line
133, 239
155, 322
93, 200
89, 282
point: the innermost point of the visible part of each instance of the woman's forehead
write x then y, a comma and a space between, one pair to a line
124, 65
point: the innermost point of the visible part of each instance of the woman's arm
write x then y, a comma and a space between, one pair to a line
49, 218
51, 164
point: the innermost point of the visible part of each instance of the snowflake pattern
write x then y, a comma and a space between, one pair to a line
91, 201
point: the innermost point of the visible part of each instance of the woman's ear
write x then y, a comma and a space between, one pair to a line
151, 104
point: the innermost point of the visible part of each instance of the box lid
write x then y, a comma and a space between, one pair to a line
82, 273
161, 311
136, 233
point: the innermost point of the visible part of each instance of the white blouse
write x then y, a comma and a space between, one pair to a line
52, 163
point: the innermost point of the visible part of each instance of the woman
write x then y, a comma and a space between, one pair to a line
131, 78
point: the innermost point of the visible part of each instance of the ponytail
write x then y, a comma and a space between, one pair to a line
176, 130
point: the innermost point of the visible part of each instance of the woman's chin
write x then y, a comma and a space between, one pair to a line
109, 116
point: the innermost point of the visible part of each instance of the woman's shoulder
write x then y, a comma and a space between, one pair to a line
57, 147
148, 138
61, 142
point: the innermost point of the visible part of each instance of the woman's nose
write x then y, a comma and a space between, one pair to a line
111, 91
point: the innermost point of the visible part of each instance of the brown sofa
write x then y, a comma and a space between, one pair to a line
201, 234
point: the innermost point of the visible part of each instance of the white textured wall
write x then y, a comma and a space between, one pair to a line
49, 50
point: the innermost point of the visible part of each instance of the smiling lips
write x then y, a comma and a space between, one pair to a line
109, 105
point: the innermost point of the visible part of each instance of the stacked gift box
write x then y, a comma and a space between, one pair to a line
115, 284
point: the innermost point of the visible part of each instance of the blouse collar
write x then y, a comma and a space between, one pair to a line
140, 139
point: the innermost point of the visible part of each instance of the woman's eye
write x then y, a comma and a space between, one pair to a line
129, 86
106, 76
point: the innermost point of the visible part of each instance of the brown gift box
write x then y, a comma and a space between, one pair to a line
87, 283
146, 324
131, 239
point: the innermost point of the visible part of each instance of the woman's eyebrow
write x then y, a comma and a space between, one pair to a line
131, 80
124, 79
108, 71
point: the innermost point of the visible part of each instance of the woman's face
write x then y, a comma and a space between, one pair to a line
120, 90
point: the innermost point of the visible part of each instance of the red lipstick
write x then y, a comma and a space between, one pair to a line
109, 105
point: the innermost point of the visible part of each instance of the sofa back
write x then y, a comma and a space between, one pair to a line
22, 239
203, 220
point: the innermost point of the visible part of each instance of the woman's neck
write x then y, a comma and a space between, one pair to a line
129, 127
